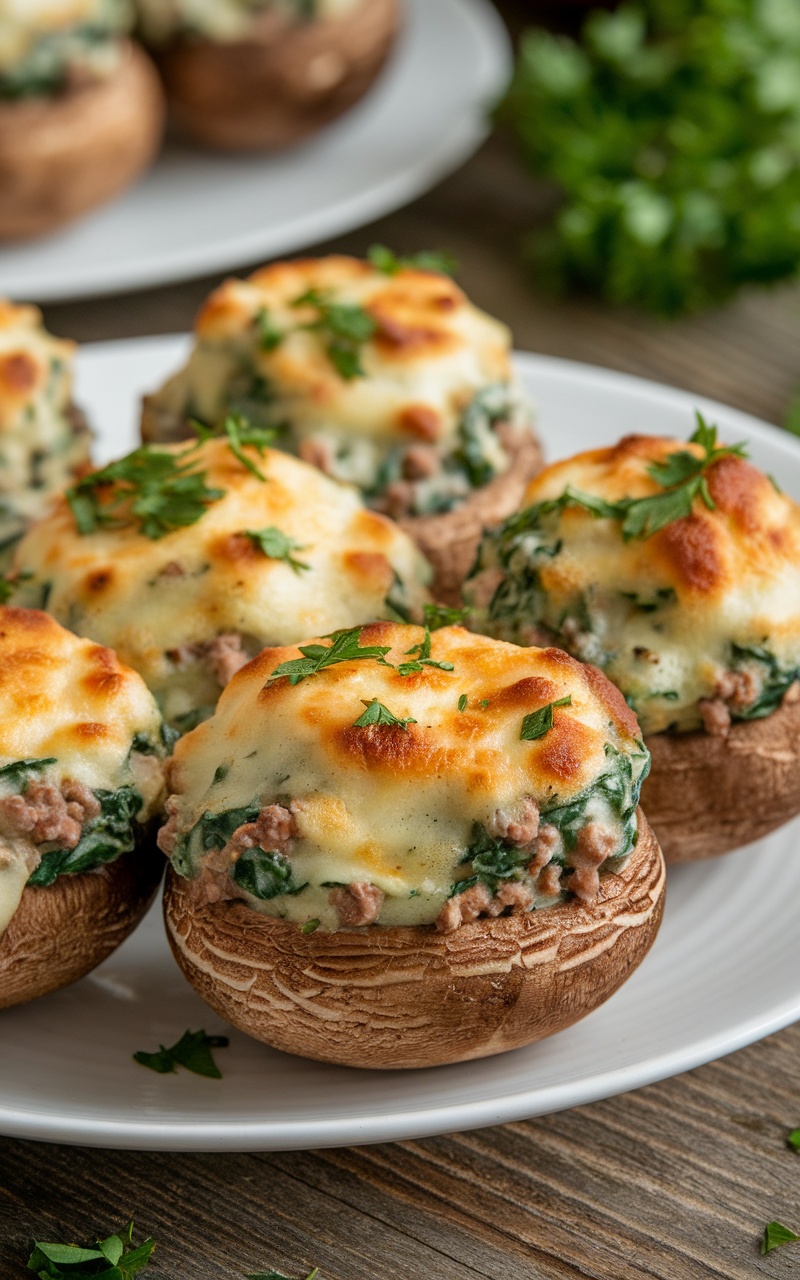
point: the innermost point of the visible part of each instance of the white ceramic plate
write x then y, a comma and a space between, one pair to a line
198, 212
725, 969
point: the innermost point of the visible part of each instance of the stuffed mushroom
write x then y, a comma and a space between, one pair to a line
244, 74
44, 439
379, 373
676, 569
398, 848
81, 111
189, 559
81, 780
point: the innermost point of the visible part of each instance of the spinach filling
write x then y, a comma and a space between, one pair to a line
775, 680
47, 68
104, 839
263, 874
492, 861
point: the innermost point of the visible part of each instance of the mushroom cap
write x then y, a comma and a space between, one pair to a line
410, 996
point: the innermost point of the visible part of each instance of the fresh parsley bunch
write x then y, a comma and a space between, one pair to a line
673, 130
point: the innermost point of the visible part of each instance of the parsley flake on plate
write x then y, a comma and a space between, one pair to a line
344, 647
540, 722
276, 545
192, 1051
377, 713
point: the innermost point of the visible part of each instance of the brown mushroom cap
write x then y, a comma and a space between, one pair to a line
450, 541
410, 996
706, 795
281, 83
59, 934
61, 156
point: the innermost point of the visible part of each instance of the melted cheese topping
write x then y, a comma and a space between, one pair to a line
32, 30
395, 806
659, 615
431, 355
162, 20
153, 601
73, 701
40, 445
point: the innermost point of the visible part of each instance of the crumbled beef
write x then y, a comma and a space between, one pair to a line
549, 882
738, 689
225, 655
82, 803
464, 908
792, 695
273, 831
397, 499
595, 843
519, 828
48, 816
319, 454
515, 895
420, 463
174, 569
716, 716
359, 904
167, 837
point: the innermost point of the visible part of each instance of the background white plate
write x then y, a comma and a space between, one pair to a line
725, 969
199, 212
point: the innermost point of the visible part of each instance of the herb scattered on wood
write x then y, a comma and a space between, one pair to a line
377, 713
775, 1235
192, 1051
793, 1140
389, 263
157, 490
344, 328
277, 545
423, 658
277, 1275
115, 1258
540, 722
344, 647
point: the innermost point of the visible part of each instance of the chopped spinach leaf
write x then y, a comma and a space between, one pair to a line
775, 680
18, 771
490, 860
277, 545
265, 874
775, 1235
192, 1051
377, 713
538, 723
104, 838
69, 1262
344, 647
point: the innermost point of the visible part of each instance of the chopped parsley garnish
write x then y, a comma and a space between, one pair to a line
540, 722
441, 615
269, 335
377, 713
389, 263
192, 1051
344, 328
115, 1258
462, 702
775, 1235
17, 772
276, 545
423, 658
157, 490
310, 926
344, 647
793, 1140
240, 434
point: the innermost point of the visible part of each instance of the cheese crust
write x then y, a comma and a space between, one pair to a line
43, 441
697, 624
227, 20
447, 815
42, 42
183, 609
71, 704
418, 429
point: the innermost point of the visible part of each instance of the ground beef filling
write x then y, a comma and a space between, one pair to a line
734, 692
222, 657
50, 817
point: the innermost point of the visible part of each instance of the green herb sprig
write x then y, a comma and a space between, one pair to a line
377, 713
345, 646
540, 722
276, 545
344, 328
423, 658
115, 1258
437, 616
192, 1051
775, 1235
793, 1140
157, 490
388, 262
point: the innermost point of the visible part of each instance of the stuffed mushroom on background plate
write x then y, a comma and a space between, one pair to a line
737, 982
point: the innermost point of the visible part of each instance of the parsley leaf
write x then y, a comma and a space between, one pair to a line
344, 647
344, 327
423, 658
276, 545
540, 722
462, 702
69, 1262
269, 335
377, 713
793, 1140
775, 1235
310, 926
157, 490
192, 1051
240, 433
389, 263
441, 615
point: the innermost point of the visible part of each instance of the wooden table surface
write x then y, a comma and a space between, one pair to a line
675, 1180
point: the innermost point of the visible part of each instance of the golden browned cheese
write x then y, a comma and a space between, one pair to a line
431, 354
670, 616
396, 805
72, 701
163, 604
40, 446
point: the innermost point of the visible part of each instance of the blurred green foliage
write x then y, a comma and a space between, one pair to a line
673, 129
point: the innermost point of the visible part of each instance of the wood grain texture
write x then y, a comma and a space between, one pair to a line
675, 1181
